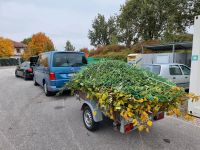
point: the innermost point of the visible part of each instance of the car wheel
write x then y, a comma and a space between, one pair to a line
25, 76
47, 93
88, 120
16, 75
35, 83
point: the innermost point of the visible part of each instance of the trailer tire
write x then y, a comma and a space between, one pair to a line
88, 120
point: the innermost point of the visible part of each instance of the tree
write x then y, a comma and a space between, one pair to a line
151, 19
85, 50
6, 47
102, 31
183, 37
69, 46
26, 41
39, 43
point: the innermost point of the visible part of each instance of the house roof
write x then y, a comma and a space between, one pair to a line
18, 44
178, 46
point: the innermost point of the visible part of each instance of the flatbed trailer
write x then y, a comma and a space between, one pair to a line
93, 115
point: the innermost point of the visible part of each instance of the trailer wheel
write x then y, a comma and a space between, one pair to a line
88, 120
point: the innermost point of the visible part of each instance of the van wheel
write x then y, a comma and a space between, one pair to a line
35, 83
88, 120
47, 93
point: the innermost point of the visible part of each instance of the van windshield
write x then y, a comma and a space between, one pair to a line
69, 60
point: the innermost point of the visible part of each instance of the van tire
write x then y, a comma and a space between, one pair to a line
47, 93
88, 119
35, 83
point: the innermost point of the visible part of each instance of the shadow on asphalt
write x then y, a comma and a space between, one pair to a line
24, 79
63, 96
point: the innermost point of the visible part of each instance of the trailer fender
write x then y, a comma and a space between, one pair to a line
97, 114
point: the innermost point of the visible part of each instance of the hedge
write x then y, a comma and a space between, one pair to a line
8, 62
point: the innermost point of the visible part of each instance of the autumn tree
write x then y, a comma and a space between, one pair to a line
69, 46
6, 47
39, 43
85, 50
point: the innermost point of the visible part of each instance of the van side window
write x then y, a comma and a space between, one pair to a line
175, 70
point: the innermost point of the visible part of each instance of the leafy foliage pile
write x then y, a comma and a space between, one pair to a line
133, 93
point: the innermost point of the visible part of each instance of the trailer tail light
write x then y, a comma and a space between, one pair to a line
159, 116
128, 127
30, 70
52, 76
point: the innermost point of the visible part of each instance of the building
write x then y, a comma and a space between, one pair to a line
18, 49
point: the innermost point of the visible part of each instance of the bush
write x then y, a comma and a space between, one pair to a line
8, 62
120, 52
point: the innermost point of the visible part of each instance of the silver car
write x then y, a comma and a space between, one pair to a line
177, 73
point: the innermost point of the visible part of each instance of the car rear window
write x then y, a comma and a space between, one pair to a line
153, 68
69, 60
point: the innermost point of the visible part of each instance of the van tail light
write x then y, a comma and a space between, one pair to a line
30, 70
128, 127
52, 76
159, 116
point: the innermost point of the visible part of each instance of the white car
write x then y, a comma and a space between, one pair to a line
177, 73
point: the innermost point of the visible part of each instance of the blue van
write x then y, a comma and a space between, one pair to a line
54, 69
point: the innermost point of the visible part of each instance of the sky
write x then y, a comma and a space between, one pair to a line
61, 20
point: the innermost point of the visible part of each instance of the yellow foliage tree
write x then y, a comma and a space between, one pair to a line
39, 43
6, 47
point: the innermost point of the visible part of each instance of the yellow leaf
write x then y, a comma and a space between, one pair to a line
135, 122
141, 101
141, 128
94, 113
148, 108
118, 108
130, 114
147, 130
177, 112
149, 123
128, 109
130, 106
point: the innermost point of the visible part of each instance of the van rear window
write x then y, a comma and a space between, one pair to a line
69, 60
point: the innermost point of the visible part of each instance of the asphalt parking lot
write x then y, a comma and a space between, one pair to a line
31, 121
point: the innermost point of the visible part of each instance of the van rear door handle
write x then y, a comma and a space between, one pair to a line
174, 77
186, 77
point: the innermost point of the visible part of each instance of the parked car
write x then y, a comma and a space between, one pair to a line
24, 70
54, 69
177, 73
